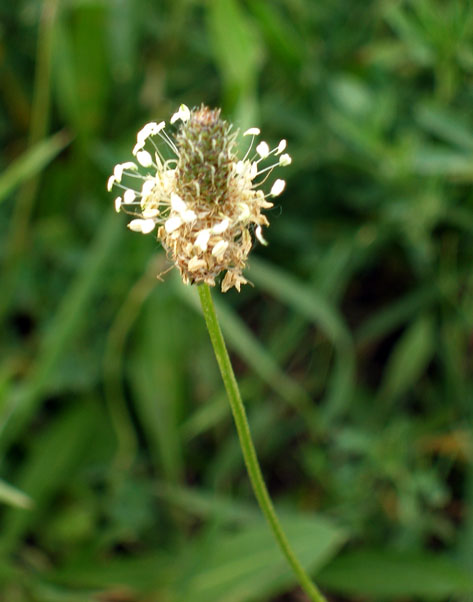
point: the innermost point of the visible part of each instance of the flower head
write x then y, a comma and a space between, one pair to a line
205, 200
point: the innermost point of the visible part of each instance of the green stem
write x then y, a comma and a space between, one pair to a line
246, 443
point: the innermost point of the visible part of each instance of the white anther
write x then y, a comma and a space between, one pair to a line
281, 146
129, 196
144, 158
145, 226
173, 223
277, 187
202, 239
221, 226
262, 149
110, 183
259, 235
183, 113
252, 132
118, 204
155, 128
239, 167
177, 204
188, 216
285, 160
147, 187
118, 172
150, 212
130, 165
138, 146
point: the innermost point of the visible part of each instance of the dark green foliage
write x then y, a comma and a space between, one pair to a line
353, 349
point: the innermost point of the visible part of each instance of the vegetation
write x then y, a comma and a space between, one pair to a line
122, 478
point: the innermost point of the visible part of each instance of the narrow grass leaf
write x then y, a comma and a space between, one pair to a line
14, 497
53, 457
235, 46
31, 162
445, 125
73, 307
409, 358
316, 309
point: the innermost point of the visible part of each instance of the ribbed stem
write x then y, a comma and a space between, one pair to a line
247, 446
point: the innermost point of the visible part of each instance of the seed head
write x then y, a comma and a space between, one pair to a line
204, 201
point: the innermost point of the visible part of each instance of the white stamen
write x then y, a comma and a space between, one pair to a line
177, 204
252, 132
220, 227
281, 146
188, 216
147, 187
118, 204
202, 239
239, 167
129, 196
138, 146
259, 236
150, 212
219, 249
285, 160
262, 149
144, 133
130, 165
144, 158
173, 223
118, 172
183, 113
145, 226
110, 183
277, 187
150, 129
253, 171
154, 128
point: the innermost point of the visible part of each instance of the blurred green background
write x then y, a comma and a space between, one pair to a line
122, 479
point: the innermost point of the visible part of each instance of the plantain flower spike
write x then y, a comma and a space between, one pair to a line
205, 201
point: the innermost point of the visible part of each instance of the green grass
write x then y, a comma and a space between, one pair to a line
120, 472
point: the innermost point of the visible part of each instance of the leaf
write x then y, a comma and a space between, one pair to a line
72, 308
313, 306
237, 53
141, 573
31, 162
54, 455
283, 39
235, 47
381, 573
446, 125
409, 358
81, 72
436, 160
248, 564
13, 496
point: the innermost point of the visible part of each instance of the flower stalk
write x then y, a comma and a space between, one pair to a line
246, 443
